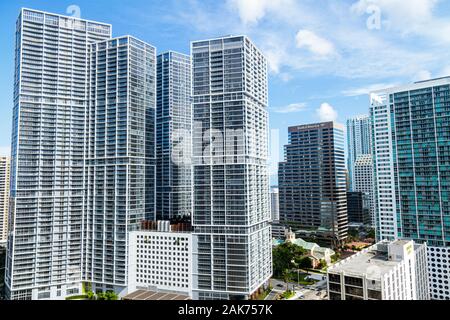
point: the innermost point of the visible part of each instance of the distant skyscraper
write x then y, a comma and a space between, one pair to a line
359, 142
173, 136
44, 258
5, 165
120, 156
358, 208
411, 140
312, 182
363, 174
231, 217
274, 204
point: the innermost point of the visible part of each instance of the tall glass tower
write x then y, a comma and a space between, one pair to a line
120, 156
173, 137
5, 169
48, 146
411, 140
312, 183
231, 217
83, 155
358, 142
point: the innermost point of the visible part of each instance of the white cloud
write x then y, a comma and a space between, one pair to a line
314, 43
422, 75
326, 112
252, 11
411, 17
5, 151
367, 89
294, 107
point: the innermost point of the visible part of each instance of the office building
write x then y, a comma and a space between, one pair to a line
358, 142
48, 145
363, 181
274, 204
120, 156
173, 136
160, 259
411, 150
385, 271
231, 215
358, 208
312, 183
5, 165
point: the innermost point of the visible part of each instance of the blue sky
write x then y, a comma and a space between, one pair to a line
325, 56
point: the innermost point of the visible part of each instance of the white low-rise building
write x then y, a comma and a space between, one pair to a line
161, 260
385, 271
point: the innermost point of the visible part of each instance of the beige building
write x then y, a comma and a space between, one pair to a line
4, 197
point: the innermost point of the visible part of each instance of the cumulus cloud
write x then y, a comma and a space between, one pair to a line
251, 11
314, 43
422, 75
360, 91
326, 112
293, 107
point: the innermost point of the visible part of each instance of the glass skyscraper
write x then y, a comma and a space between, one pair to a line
5, 169
120, 156
358, 142
411, 140
231, 216
173, 137
312, 183
82, 171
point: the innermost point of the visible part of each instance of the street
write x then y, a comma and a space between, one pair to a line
316, 291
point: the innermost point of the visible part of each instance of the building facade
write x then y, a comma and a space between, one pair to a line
5, 167
358, 208
363, 182
231, 214
274, 204
161, 260
119, 156
83, 155
385, 271
358, 142
312, 182
411, 158
173, 136
48, 144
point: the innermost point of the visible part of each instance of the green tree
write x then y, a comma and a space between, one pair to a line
305, 263
111, 295
90, 295
286, 278
101, 296
286, 256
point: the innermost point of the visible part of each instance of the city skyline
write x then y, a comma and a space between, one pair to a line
155, 156
299, 88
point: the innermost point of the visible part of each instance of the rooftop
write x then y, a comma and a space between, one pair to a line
153, 295
372, 262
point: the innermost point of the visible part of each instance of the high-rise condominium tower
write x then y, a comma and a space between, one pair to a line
173, 136
231, 187
359, 143
363, 182
411, 147
82, 171
120, 156
274, 204
5, 165
312, 182
48, 146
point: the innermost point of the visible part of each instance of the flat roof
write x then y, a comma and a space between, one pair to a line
373, 263
154, 295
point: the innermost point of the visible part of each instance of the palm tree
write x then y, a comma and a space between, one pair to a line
286, 277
